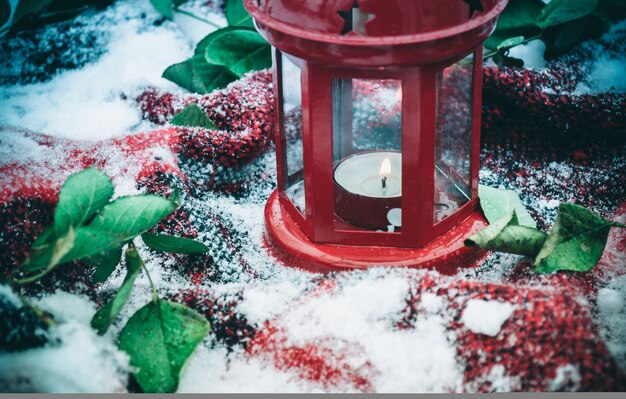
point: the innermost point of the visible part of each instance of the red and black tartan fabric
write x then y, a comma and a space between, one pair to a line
538, 139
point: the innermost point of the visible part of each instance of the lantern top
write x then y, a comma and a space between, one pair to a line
375, 32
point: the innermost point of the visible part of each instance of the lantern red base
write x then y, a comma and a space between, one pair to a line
288, 243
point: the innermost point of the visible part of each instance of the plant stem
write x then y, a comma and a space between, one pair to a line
494, 52
194, 16
38, 312
155, 296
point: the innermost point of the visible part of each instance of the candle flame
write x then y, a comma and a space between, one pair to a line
385, 168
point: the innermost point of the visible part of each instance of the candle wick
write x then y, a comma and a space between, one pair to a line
383, 180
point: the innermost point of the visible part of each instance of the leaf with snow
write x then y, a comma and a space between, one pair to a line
497, 203
193, 116
159, 339
240, 49
81, 196
237, 15
560, 11
576, 241
130, 216
179, 245
506, 235
107, 314
165, 7
198, 76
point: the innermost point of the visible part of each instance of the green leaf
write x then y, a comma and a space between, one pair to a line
159, 339
76, 244
130, 216
198, 76
81, 196
5, 12
237, 15
510, 42
165, 7
560, 11
520, 14
241, 50
107, 314
179, 245
506, 235
193, 116
497, 203
26, 8
104, 264
576, 241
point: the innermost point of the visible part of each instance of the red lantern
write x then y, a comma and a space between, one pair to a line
378, 137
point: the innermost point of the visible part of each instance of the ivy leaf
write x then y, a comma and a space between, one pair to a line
5, 12
241, 50
81, 196
503, 60
107, 314
576, 241
30, 7
497, 203
159, 339
560, 11
130, 216
193, 116
179, 245
165, 7
76, 244
198, 76
517, 19
506, 235
237, 15
104, 264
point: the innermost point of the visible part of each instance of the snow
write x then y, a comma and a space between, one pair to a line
89, 103
605, 74
76, 360
486, 317
611, 318
531, 53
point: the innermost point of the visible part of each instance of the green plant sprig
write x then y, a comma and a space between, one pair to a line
91, 227
575, 243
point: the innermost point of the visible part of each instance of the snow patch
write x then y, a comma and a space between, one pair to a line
486, 317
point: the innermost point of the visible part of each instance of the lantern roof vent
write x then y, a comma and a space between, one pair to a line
331, 30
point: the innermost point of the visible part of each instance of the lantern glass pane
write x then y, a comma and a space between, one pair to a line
367, 161
292, 132
453, 138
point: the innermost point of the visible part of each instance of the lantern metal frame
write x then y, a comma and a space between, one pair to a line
312, 240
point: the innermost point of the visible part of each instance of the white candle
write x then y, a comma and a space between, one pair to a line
363, 174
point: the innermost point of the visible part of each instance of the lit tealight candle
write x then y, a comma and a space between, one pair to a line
367, 186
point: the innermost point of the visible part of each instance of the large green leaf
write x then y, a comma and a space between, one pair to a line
179, 245
497, 203
520, 14
107, 314
237, 15
159, 339
130, 216
198, 76
193, 116
81, 196
506, 235
560, 11
576, 241
241, 50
